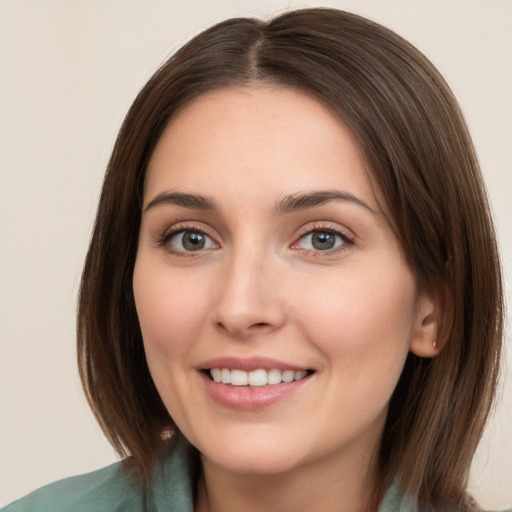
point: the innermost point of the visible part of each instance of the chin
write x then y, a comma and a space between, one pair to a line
256, 465
251, 458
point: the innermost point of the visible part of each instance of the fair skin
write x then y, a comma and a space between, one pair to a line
233, 272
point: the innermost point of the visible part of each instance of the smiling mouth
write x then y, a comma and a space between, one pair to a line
256, 378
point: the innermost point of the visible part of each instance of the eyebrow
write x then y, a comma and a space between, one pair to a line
192, 201
289, 204
305, 201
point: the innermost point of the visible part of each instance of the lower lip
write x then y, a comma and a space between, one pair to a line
247, 398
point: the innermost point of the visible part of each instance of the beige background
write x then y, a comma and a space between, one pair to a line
68, 72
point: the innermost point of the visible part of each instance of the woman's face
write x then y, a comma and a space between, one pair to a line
263, 257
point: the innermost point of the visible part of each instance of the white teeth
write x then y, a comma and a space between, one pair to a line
274, 376
255, 378
216, 374
225, 376
238, 378
288, 375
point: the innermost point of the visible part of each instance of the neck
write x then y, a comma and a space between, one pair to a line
345, 485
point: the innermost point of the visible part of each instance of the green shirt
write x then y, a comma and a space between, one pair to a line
112, 489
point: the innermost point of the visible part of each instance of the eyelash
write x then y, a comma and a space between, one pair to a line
167, 236
348, 240
346, 237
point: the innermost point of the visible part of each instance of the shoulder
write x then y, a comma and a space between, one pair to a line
397, 501
110, 488
114, 489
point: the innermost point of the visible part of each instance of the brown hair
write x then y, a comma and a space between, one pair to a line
422, 159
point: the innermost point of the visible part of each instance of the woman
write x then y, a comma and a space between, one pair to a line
292, 296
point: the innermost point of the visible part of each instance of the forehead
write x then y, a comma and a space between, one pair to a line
262, 139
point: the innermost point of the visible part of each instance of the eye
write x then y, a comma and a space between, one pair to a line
188, 240
323, 240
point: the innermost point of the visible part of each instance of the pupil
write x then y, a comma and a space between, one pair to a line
193, 241
323, 240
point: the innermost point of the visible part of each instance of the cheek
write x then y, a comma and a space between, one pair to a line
362, 326
170, 310
367, 315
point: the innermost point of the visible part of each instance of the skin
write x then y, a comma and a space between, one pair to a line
260, 287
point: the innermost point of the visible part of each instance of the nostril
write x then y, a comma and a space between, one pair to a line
259, 324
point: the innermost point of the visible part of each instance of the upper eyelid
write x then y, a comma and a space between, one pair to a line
166, 241
326, 226
180, 226
348, 237
165, 236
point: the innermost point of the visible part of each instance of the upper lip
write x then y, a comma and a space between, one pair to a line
249, 364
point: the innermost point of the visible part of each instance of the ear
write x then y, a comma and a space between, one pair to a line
424, 340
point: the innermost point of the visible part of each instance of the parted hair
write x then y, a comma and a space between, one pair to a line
421, 158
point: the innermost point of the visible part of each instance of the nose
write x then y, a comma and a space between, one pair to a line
249, 300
